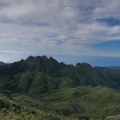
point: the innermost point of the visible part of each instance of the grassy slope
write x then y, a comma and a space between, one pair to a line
63, 104
92, 102
26, 108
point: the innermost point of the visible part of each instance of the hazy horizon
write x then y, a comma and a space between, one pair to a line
73, 59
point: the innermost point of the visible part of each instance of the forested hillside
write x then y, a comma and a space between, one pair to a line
41, 86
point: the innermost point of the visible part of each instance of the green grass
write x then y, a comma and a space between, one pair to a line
80, 103
98, 102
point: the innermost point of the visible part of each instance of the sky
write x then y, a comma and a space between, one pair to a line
69, 30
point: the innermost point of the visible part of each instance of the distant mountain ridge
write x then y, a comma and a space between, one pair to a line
2, 63
40, 74
115, 67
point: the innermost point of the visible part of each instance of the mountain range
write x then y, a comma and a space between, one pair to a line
2, 63
115, 67
62, 87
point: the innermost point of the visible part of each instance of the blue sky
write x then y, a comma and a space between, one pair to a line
70, 30
113, 46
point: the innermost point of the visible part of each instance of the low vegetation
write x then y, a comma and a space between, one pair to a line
39, 88
80, 103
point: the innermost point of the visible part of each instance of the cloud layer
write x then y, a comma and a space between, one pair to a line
68, 27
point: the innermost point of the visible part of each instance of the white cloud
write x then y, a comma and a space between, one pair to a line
35, 26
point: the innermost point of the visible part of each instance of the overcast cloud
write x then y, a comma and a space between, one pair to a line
69, 27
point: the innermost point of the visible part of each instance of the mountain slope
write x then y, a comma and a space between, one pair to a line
37, 75
93, 102
42, 88
83, 102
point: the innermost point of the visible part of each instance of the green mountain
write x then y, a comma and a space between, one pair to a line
37, 75
42, 88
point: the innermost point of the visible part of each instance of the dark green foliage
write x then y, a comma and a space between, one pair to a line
52, 83
39, 85
1, 104
25, 81
37, 75
68, 104
57, 88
